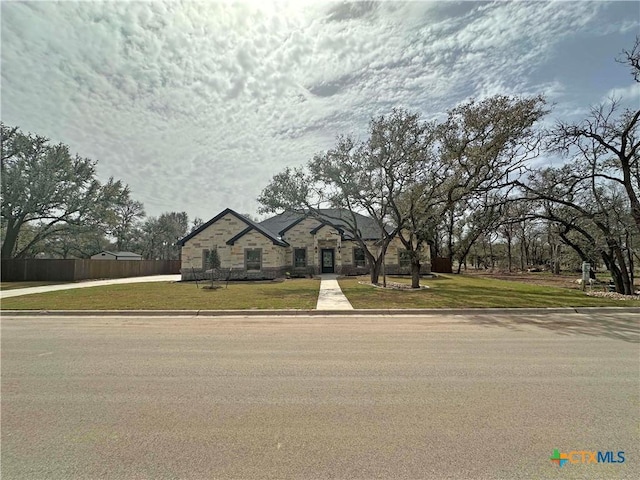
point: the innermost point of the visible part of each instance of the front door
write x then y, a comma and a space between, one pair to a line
327, 260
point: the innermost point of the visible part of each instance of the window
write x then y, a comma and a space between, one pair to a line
358, 257
300, 257
404, 258
253, 259
205, 259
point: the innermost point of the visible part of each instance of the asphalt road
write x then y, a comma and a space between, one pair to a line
314, 398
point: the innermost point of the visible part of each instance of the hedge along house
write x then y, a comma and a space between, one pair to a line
290, 243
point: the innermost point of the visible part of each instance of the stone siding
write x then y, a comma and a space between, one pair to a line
222, 274
277, 260
215, 235
272, 255
299, 236
232, 257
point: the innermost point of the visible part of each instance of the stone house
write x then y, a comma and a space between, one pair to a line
289, 243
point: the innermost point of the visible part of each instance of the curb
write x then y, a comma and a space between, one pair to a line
315, 313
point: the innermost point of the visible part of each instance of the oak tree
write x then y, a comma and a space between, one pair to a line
50, 189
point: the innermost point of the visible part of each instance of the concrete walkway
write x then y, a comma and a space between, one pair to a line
330, 296
90, 283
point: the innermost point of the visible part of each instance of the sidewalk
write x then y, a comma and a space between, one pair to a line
330, 296
90, 283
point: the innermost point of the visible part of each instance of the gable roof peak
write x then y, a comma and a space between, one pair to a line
250, 223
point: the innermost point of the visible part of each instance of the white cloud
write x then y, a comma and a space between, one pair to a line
197, 104
629, 95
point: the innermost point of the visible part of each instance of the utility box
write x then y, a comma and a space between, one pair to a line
586, 274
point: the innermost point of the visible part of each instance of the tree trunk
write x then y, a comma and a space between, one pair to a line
556, 259
624, 272
583, 256
450, 237
10, 239
622, 284
484, 254
619, 274
465, 252
415, 271
509, 259
434, 250
628, 186
631, 263
374, 274
375, 266
491, 253
631, 273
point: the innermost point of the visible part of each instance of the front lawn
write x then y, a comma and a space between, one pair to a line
289, 294
461, 291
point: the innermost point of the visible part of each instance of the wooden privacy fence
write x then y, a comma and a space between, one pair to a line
441, 265
13, 270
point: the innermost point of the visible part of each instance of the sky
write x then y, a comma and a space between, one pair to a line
197, 104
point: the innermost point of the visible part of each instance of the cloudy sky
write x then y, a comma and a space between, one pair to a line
196, 105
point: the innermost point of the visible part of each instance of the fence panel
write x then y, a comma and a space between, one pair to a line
441, 265
12, 271
15, 270
37, 270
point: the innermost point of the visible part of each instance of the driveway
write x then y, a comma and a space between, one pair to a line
89, 283
403, 397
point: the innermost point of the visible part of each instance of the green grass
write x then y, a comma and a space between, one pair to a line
14, 285
460, 291
290, 294
446, 291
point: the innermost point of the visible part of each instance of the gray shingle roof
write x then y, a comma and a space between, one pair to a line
127, 254
120, 254
276, 226
273, 237
280, 223
340, 218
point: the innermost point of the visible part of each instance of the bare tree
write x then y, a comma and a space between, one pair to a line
632, 58
345, 178
485, 145
609, 145
594, 209
402, 147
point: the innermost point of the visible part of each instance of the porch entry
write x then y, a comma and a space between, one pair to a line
328, 260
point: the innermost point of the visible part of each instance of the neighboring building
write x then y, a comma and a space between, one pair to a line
292, 243
105, 255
